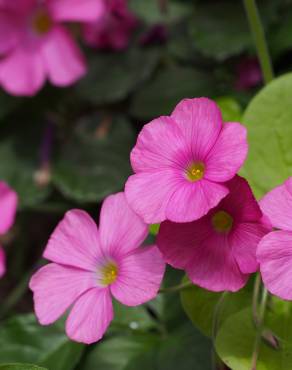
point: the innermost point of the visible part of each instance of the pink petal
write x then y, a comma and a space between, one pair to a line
62, 58
228, 153
9, 31
244, 241
2, 262
191, 201
149, 193
139, 276
77, 10
177, 241
75, 241
275, 257
22, 72
90, 316
160, 145
55, 288
277, 205
121, 230
240, 202
8, 206
200, 121
214, 267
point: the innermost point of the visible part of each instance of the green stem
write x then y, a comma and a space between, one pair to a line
260, 327
258, 33
255, 299
176, 288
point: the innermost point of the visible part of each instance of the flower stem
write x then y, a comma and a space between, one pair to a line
258, 33
260, 325
176, 288
255, 299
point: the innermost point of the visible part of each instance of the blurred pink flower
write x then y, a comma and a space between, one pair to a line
182, 161
218, 252
248, 74
90, 265
275, 250
8, 206
114, 29
34, 44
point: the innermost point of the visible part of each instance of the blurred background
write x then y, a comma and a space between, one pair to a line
65, 148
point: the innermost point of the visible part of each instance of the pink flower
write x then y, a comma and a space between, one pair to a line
35, 45
275, 250
90, 265
114, 29
248, 74
218, 252
8, 206
182, 161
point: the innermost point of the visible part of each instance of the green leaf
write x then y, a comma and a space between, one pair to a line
95, 160
23, 340
154, 228
113, 76
235, 342
159, 97
199, 304
20, 367
268, 119
19, 149
230, 109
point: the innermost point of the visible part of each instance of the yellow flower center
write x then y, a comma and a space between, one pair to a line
222, 222
42, 22
195, 171
109, 273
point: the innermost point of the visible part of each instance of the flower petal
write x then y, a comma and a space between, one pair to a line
8, 206
228, 153
160, 145
55, 288
177, 241
121, 230
22, 72
90, 316
76, 10
148, 193
62, 58
191, 201
2, 262
139, 276
277, 205
244, 241
75, 241
10, 32
200, 122
214, 267
275, 257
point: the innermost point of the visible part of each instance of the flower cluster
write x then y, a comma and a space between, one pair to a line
185, 177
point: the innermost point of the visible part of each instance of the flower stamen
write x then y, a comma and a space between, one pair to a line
42, 22
222, 222
109, 273
195, 171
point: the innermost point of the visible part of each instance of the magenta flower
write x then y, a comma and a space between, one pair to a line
90, 265
275, 250
8, 206
34, 44
218, 252
248, 74
114, 29
182, 161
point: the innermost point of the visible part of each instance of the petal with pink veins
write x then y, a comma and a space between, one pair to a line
277, 205
139, 276
274, 255
56, 287
200, 122
121, 229
10, 32
191, 201
75, 241
8, 206
77, 10
90, 316
63, 60
228, 153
